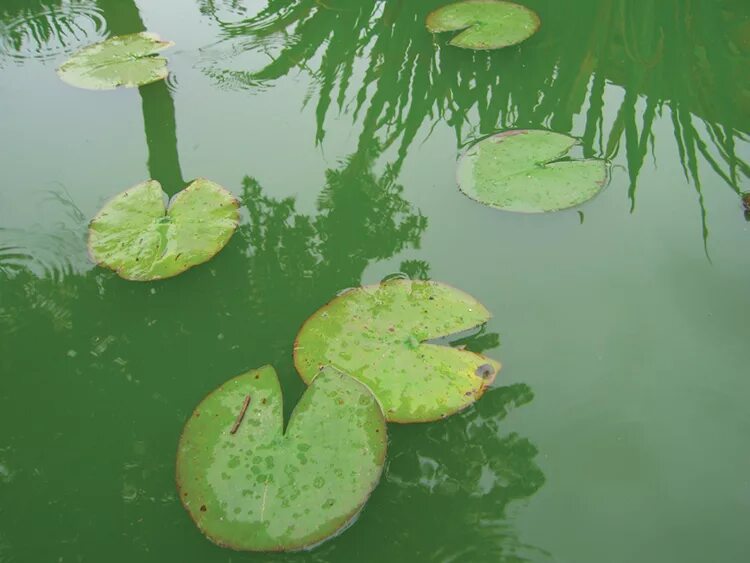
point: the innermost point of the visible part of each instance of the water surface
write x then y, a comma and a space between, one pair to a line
618, 428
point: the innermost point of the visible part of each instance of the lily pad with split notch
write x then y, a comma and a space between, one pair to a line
124, 60
141, 239
524, 171
484, 24
250, 485
381, 335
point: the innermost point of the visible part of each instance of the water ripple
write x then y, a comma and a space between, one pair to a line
50, 33
52, 255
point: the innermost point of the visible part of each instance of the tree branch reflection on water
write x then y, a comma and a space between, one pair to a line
278, 268
125, 342
485, 471
662, 59
44, 29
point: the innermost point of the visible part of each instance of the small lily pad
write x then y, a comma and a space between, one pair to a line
251, 486
378, 334
125, 60
487, 24
141, 239
522, 171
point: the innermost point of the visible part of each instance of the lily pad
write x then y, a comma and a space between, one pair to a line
378, 334
125, 60
522, 171
487, 24
251, 486
141, 239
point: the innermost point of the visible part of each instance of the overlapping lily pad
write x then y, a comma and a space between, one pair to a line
522, 171
379, 335
486, 24
125, 60
139, 238
249, 485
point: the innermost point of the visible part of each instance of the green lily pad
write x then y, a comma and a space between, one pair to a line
522, 171
139, 238
125, 60
487, 24
251, 486
378, 334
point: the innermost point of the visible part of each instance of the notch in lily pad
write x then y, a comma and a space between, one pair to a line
381, 336
141, 239
124, 60
484, 24
250, 485
527, 171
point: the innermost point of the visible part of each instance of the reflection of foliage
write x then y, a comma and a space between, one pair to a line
121, 344
52, 252
362, 218
42, 28
288, 256
415, 269
39, 28
479, 342
667, 55
485, 471
447, 491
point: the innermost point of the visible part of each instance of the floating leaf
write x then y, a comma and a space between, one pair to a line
522, 171
125, 60
250, 486
487, 24
378, 335
138, 237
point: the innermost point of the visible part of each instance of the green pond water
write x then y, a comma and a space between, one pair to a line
618, 430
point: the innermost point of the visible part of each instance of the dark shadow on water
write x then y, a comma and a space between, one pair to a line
157, 104
136, 357
109, 370
124, 363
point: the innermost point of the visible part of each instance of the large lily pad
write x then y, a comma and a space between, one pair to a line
378, 335
250, 486
139, 238
522, 171
125, 60
487, 24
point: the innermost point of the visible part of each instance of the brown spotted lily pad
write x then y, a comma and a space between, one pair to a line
141, 239
250, 485
380, 335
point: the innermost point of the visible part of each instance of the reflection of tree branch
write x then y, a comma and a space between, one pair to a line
674, 55
159, 120
361, 218
160, 126
479, 342
41, 29
475, 482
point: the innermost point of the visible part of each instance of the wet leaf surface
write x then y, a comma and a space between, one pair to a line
125, 60
139, 238
250, 486
379, 335
486, 24
521, 171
